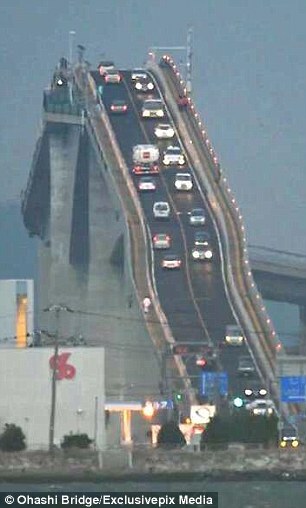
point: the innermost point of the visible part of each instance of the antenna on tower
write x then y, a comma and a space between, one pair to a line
189, 59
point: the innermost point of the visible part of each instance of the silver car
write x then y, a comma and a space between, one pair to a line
197, 217
161, 210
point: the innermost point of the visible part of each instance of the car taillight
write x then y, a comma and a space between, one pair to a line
125, 107
168, 238
136, 169
112, 107
154, 238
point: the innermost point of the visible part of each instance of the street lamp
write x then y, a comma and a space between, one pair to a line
71, 38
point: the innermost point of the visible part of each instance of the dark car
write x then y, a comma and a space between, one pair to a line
119, 106
202, 238
144, 85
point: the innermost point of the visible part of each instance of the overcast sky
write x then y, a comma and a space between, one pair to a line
249, 87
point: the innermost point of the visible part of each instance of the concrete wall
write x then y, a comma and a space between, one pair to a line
25, 393
101, 292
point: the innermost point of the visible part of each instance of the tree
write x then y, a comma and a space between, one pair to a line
12, 439
241, 427
76, 441
170, 436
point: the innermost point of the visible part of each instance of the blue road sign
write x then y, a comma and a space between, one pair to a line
214, 382
293, 388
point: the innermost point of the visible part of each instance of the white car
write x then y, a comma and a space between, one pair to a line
171, 262
152, 108
183, 182
261, 407
161, 210
173, 155
233, 335
164, 131
138, 74
146, 183
197, 217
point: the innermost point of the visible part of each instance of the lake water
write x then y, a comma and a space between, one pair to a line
285, 317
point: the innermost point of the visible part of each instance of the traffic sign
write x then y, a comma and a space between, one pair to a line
293, 388
201, 414
163, 404
213, 383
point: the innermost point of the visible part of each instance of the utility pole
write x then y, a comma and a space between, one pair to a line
57, 309
70, 63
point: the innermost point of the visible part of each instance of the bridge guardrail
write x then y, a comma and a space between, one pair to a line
216, 173
97, 118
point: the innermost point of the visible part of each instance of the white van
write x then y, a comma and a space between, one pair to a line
145, 154
152, 108
183, 182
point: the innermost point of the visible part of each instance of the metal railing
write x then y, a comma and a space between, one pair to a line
264, 330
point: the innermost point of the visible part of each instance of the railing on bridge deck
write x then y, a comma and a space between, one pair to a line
53, 102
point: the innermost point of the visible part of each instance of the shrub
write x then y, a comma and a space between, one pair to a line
12, 439
76, 441
241, 427
170, 436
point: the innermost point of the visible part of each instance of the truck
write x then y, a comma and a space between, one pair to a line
145, 154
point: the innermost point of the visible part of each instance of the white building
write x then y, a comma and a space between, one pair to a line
26, 388
16, 312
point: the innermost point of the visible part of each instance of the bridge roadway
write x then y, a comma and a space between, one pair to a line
193, 298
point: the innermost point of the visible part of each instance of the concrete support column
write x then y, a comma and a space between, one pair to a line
302, 314
63, 285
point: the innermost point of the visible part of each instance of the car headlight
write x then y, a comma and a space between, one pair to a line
295, 443
283, 444
145, 113
270, 411
208, 254
138, 86
195, 254
150, 86
160, 112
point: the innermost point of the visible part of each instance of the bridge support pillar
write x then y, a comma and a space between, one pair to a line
302, 313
